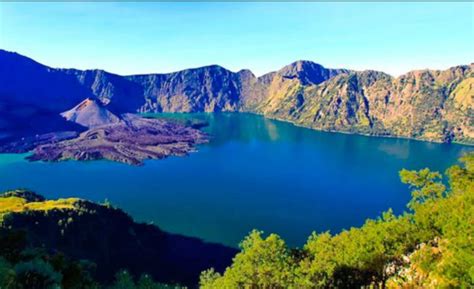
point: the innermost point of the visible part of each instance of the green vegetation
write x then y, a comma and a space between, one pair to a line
463, 94
123, 280
429, 246
22, 267
19, 201
18, 205
26, 267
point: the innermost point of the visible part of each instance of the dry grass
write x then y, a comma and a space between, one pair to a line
18, 205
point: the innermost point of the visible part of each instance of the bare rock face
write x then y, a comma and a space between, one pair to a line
206, 89
428, 105
90, 113
131, 141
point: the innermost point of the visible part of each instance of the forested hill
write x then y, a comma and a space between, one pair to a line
427, 104
43, 240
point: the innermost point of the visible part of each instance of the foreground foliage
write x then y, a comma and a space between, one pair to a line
23, 266
429, 246
33, 268
105, 236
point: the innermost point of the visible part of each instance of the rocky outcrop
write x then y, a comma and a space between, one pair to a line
127, 138
428, 105
110, 238
131, 140
209, 89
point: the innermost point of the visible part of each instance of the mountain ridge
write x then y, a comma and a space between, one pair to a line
3, 51
432, 105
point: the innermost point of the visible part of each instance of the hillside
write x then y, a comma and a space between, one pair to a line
108, 237
428, 105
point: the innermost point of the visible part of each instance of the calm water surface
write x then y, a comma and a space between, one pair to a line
255, 173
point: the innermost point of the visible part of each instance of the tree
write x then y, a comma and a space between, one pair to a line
262, 263
37, 274
429, 246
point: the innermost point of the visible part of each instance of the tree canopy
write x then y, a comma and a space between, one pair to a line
429, 246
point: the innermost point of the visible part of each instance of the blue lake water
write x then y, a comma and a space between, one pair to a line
254, 173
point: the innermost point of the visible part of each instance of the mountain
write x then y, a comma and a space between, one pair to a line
90, 113
308, 72
27, 82
116, 92
211, 88
428, 104
32, 96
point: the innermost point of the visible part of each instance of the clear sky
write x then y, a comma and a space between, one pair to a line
131, 38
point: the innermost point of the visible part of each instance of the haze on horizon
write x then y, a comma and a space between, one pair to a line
138, 38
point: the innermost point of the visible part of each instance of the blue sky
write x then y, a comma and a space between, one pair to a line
131, 38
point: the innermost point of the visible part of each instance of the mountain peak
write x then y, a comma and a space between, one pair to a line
309, 72
302, 64
90, 113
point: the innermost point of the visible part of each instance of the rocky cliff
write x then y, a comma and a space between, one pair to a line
428, 105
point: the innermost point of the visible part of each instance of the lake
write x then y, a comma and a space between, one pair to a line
254, 173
